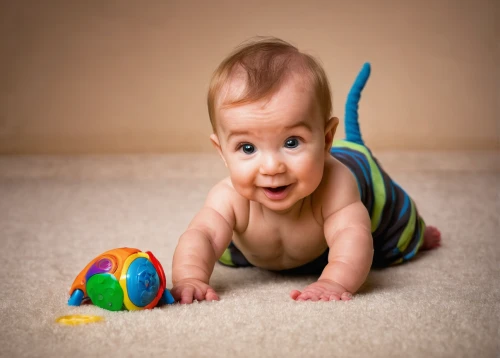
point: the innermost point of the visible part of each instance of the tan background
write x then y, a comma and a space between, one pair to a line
131, 76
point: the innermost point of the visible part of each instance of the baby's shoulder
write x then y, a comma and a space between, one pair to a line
336, 174
227, 201
338, 187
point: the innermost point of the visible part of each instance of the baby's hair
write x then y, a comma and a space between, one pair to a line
266, 62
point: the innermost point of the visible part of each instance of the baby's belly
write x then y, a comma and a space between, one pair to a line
277, 253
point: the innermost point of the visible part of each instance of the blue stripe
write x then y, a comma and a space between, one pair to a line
393, 198
406, 204
409, 256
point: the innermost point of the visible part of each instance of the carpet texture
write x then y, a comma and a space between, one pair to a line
58, 213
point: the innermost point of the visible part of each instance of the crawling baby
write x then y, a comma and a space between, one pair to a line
295, 201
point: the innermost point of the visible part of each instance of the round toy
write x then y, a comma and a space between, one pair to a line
122, 279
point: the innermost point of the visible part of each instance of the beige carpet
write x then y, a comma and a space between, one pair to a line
57, 213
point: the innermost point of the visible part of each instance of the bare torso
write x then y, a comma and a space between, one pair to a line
279, 241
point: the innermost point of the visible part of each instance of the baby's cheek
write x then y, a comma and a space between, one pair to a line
243, 181
313, 170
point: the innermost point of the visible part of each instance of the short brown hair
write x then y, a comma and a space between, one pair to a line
267, 61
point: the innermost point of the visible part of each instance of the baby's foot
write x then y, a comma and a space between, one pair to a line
432, 238
322, 290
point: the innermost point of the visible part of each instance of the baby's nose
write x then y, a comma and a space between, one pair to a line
272, 164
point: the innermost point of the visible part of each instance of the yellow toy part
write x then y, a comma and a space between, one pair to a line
78, 319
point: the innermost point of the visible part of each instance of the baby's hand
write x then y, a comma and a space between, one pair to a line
322, 290
185, 291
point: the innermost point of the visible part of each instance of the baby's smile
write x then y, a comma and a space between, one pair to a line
277, 193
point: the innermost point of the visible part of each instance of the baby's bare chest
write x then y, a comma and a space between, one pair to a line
280, 243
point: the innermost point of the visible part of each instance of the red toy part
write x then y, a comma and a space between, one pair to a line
161, 275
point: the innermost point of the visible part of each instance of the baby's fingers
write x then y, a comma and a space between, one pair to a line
295, 294
346, 296
211, 295
187, 294
205, 294
303, 296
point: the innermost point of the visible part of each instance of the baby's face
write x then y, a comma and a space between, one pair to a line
274, 148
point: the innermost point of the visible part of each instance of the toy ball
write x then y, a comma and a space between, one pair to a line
122, 279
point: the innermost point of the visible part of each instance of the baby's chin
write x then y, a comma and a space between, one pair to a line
281, 206
277, 206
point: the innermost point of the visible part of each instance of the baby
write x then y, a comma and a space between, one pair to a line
293, 202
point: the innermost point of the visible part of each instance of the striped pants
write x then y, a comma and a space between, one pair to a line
397, 228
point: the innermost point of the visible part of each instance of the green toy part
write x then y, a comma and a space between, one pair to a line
105, 292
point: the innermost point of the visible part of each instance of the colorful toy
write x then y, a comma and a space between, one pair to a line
123, 278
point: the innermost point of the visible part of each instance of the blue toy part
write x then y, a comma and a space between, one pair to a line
167, 298
143, 282
76, 298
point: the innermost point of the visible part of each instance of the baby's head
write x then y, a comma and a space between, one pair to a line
257, 69
270, 108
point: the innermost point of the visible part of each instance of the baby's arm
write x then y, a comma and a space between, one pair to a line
201, 245
349, 237
347, 231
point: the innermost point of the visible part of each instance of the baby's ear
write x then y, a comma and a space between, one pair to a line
215, 142
330, 129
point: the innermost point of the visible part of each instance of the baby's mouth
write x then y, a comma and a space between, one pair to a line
277, 189
277, 193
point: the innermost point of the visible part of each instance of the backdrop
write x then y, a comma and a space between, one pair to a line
131, 76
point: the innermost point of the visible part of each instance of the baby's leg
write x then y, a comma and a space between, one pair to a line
404, 233
397, 228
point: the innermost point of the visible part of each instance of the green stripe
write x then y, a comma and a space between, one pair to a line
407, 234
397, 262
377, 181
226, 258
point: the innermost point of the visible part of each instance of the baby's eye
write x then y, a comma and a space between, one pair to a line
292, 143
247, 148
